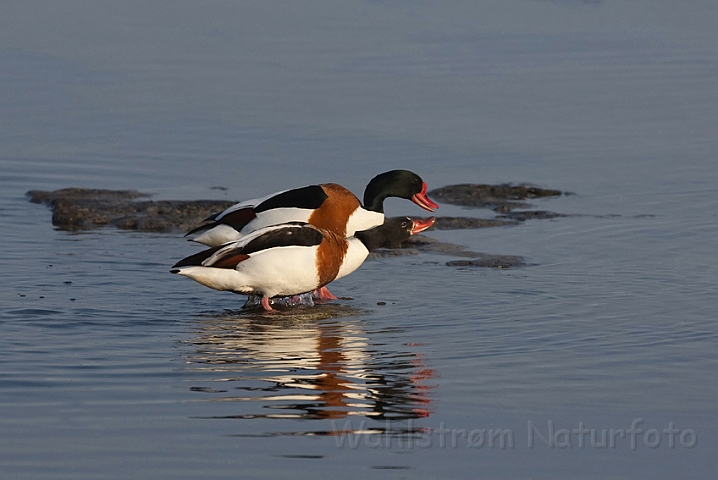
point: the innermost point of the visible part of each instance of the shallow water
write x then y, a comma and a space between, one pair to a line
113, 368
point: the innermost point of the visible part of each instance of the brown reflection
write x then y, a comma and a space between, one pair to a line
315, 364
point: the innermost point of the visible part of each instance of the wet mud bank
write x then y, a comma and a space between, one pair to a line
501, 198
83, 209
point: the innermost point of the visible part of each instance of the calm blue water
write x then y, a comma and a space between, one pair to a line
110, 367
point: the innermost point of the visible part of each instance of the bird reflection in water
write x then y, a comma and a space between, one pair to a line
315, 363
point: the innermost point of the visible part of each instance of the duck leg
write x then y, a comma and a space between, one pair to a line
323, 293
265, 304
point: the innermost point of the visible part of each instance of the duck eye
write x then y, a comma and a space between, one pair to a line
404, 224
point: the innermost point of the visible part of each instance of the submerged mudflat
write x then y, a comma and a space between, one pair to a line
82, 209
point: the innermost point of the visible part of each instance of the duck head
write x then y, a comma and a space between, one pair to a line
393, 231
397, 183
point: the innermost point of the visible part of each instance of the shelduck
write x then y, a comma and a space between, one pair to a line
291, 258
328, 206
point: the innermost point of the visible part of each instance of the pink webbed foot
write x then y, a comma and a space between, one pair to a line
265, 304
323, 293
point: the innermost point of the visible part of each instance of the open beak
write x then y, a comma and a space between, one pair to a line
423, 201
421, 224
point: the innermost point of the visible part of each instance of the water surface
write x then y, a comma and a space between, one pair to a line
113, 368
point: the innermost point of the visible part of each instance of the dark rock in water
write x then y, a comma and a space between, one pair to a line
459, 223
417, 244
401, 251
490, 261
80, 208
500, 198
425, 244
422, 244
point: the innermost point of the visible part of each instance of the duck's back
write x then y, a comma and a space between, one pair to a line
328, 206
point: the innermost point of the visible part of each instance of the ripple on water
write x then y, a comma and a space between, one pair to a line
32, 312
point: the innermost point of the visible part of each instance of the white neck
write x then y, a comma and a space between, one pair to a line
362, 219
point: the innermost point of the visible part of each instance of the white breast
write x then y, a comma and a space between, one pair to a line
362, 219
355, 256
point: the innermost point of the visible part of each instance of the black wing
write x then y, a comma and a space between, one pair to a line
197, 259
299, 234
310, 197
229, 255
